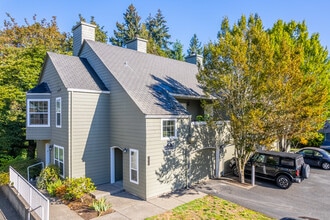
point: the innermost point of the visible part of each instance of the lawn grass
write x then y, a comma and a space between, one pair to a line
210, 207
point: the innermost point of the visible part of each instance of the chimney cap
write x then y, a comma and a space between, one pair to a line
83, 23
137, 38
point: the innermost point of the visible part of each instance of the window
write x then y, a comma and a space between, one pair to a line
287, 162
308, 152
169, 128
261, 159
317, 154
134, 165
58, 112
38, 113
273, 161
59, 158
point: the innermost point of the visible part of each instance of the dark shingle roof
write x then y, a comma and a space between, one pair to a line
151, 81
41, 88
76, 73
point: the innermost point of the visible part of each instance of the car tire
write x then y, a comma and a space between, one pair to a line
235, 171
305, 171
283, 181
325, 165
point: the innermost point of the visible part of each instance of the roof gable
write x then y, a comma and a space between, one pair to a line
76, 73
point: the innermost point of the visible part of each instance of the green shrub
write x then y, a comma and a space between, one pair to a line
4, 179
20, 164
4, 159
53, 187
77, 187
101, 206
60, 191
205, 117
47, 176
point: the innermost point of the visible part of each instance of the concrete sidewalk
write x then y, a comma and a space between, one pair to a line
128, 206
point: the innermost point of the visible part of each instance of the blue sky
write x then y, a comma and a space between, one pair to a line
184, 18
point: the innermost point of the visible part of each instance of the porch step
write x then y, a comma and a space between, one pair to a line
107, 189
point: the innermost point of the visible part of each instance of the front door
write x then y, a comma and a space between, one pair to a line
118, 165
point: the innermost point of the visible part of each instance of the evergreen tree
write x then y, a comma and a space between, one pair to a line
195, 46
158, 30
177, 51
128, 30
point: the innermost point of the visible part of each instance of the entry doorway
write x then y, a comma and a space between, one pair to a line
116, 164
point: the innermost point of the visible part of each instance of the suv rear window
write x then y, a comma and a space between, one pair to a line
287, 162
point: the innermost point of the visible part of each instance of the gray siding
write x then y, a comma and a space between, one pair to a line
127, 130
127, 124
202, 165
89, 137
167, 169
59, 136
41, 153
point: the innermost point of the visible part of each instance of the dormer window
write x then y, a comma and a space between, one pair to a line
38, 113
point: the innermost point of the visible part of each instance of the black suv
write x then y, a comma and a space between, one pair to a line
282, 167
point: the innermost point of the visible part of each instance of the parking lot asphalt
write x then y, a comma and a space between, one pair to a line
309, 199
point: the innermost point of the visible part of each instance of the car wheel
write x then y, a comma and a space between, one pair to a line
283, 181
235, 171
325, 165
305, 171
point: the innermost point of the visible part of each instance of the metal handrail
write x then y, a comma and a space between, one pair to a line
36, 200
28, 169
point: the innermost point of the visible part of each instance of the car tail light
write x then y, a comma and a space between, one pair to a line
297, 172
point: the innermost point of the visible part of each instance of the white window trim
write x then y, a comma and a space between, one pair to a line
60, 101
137, 166
56, 146
28, 113
175, 129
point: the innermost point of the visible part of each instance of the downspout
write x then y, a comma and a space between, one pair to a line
70, 135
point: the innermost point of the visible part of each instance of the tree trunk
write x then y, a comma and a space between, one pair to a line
240, 167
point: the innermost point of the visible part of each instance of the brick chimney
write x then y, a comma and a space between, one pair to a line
137, 44
81, 32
